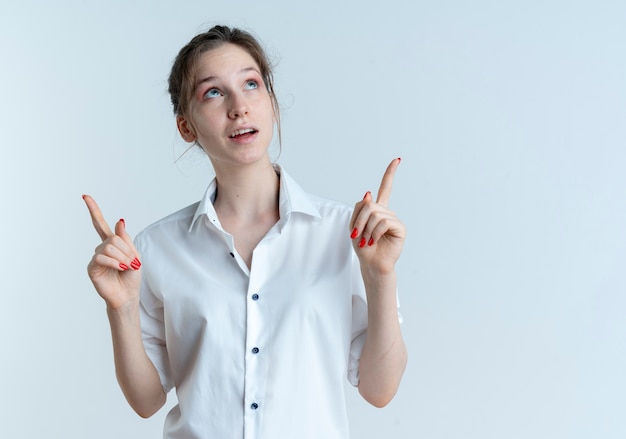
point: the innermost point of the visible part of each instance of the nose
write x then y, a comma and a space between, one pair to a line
238, 106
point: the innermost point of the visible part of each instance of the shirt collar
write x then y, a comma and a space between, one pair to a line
291, 198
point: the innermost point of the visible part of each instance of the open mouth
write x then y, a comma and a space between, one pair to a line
243, 132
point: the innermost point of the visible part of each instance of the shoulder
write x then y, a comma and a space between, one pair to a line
181, 219
329, 206
295, 199
331, 213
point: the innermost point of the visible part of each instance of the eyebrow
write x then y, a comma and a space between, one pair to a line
213, 78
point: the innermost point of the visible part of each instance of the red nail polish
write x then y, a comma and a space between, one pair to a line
355, 233
371, 242
84, 196
123, 222
362, 243
123, 266
399, 160
136, 262
365, 196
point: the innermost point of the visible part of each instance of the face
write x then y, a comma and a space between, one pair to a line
230, 113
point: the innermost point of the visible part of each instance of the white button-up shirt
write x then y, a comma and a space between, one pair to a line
261, 352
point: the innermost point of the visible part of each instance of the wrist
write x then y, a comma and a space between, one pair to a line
123, 311
378, 273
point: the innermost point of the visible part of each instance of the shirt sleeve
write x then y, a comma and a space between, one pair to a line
152, 320
152, 333
359, 321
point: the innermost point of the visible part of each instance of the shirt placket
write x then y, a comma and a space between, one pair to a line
256, 358
254, 382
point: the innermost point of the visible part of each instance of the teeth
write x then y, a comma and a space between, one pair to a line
240, 132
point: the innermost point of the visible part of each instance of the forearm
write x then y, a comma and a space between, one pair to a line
136, 375
384, 355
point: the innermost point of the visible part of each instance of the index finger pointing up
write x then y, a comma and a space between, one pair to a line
97, 218
384, 191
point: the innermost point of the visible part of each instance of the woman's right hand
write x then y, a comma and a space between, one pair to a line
114, 268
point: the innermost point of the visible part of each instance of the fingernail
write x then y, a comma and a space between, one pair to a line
135, 264
84, 196
399, 160
365, 196
371, 242
123, 222
355, 233
123, 266
362, 243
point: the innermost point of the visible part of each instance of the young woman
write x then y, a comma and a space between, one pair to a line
256, 302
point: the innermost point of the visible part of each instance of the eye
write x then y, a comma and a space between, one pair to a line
251, 84
212, 93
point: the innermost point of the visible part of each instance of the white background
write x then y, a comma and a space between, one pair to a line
509, 118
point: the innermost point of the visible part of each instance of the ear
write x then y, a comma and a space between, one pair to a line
185, 129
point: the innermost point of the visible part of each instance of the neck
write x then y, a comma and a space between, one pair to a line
247, 193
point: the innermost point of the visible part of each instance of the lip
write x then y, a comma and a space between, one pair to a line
242, 130
243, 135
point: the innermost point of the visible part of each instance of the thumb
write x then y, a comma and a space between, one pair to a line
120, 230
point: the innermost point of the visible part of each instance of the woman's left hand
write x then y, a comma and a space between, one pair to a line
376, 232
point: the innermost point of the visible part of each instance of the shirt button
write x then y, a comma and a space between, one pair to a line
255, 297
255, 350
254, 406
232, 254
